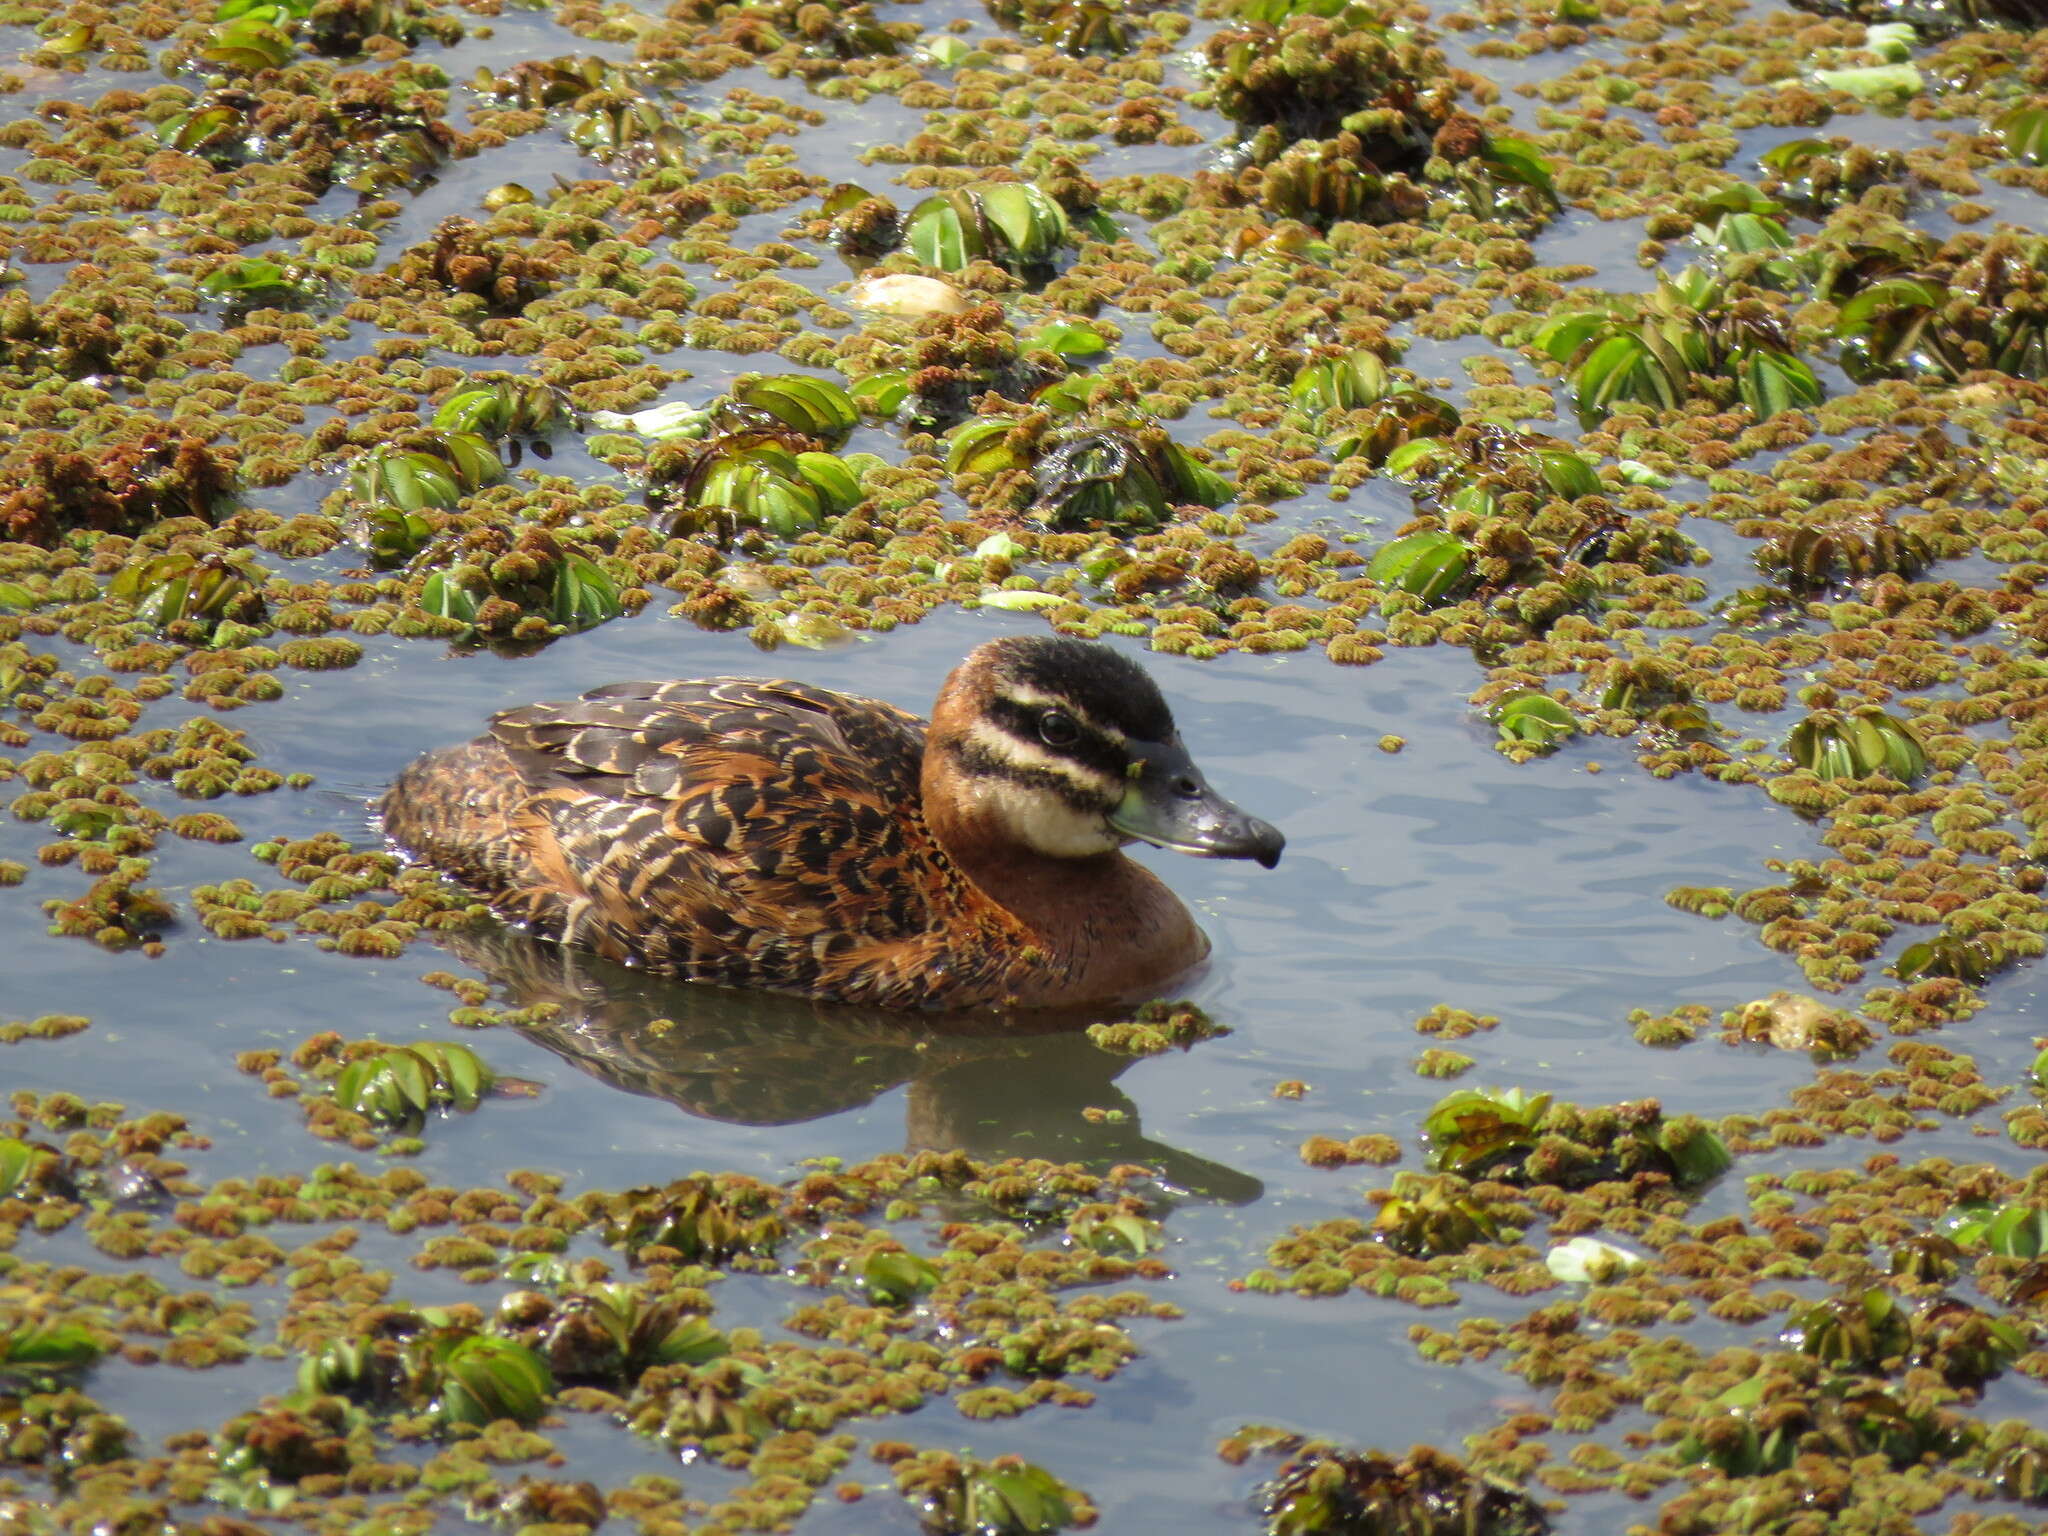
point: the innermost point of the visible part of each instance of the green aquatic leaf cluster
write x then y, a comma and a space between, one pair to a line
1077, 27
1688, 337
1011, 223
1857, 745
398, 1085
1003, 1497
1117, 473
431, 1362
1909, 303
1518, 1137
759, 456
186, 592
608, 1334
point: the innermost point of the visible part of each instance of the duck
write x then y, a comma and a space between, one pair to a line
773, 835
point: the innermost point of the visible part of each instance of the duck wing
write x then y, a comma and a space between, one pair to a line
728, 829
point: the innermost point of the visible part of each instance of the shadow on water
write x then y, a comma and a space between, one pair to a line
993, 1086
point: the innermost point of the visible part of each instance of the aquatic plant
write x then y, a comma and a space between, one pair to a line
261, 1455
695, 1219
756, 479
1975, 959
1533, 719
512, 407
34, 1347
1815, 176
48, 487
1310, 78
1910, 304
1123, 473
1077, 27
430, 1362
1474, 468
399, 1084
1859, 1330
2023, 134
1425, 1217
1521, 1138
1323, 1490
1431, 565
1345, 381
1814, 555
1857, 745
431, 468
2010, 1231
1378, 430
1004, 1497
187, 593
960, 357
608, 1333
1938, 17
1684, 338
1012, 223
892, 1277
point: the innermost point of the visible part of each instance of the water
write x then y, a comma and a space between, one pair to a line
1438, 874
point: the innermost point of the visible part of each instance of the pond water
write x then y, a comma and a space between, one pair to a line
1423, 870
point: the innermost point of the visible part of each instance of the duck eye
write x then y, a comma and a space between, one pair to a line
1056, 728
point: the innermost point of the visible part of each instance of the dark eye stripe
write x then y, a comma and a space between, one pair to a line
1089, 748
988, 763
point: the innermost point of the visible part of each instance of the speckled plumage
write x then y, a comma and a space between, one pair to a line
780, 836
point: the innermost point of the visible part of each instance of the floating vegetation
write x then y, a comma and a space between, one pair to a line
190, 594
1855, 746
1820, 554
1688, 337
1083, 475
272, 241
1323, 1490
1520, 1138
1004, 1497
1908, 303
397, 1085
1012, 223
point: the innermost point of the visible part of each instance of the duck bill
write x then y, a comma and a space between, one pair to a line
1169, 804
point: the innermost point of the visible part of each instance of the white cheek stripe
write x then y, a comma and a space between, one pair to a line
1031, 757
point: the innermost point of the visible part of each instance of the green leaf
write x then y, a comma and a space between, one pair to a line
1770, 382
1536, 718
2023, 134
50, 1346
882, 394
892, 1277
1069, 338
17, 1157
1878, 83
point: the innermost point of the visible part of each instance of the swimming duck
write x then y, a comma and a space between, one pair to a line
780, 836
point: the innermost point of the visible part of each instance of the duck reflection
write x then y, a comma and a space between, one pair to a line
1020, 1085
